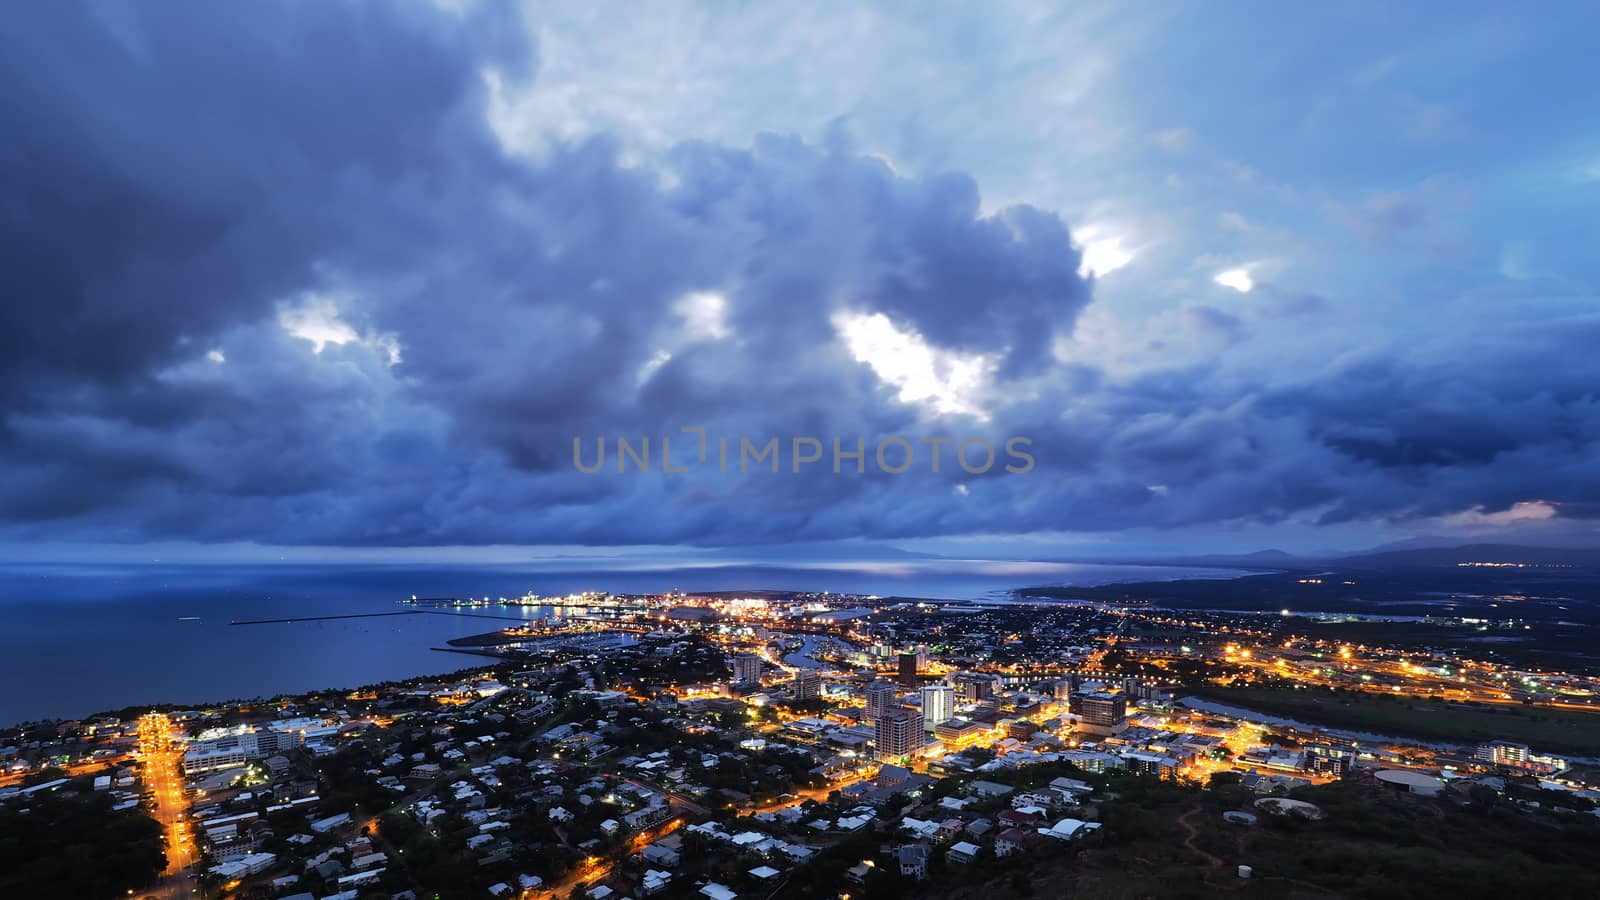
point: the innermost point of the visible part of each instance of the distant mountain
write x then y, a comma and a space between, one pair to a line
1260, 559
1268, 555
1419, 553
1489, 553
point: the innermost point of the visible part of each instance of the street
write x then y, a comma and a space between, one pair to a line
162, 757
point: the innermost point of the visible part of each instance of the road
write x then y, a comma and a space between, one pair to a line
162, 757
598, 868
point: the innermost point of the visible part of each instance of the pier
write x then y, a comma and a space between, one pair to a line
375, 615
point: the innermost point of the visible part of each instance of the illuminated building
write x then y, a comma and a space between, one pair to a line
807, 685
1100, 712
881, 697
938, 704
1504, 753
235, 749
1021, 730
1329, 760
973, 688
746, 668
1157, 764
1512, 755
960, 731
899, 732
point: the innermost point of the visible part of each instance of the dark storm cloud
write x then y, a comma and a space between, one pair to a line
182, 180
172, 170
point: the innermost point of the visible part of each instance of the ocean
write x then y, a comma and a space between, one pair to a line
80, 639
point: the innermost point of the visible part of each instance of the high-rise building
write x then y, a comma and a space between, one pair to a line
908, 669
1100, 712
881, 697
899, 732
807, 685
746, 668
938, 705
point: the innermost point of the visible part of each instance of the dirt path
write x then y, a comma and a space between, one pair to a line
1189, 844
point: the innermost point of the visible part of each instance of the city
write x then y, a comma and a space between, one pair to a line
800, 744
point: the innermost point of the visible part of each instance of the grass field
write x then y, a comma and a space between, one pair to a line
1544, 729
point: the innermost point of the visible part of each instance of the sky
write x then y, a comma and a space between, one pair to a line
313, 280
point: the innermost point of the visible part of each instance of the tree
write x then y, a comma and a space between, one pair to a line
70, 845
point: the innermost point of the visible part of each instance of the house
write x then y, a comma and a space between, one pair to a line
1035, 800
661, 855
1070, 788
323, 826
718, 891
1010, 841
1016, 818
962, 852
989, 789
1070, 829
853, 823
649, 816
914, 861
797, 852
